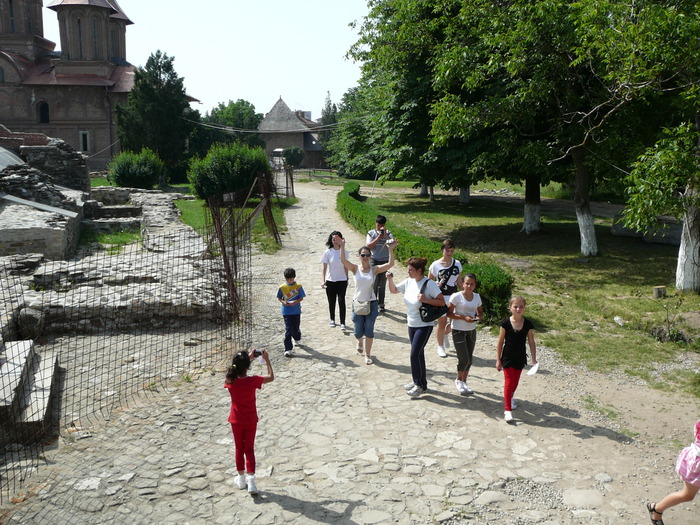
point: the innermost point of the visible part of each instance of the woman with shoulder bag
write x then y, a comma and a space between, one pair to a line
365, 307
417, 291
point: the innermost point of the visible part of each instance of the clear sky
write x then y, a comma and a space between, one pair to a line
249, 49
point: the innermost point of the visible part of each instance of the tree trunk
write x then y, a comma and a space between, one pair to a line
688, 268
423, 190
532, 212
464, 195
432, 194
586, 227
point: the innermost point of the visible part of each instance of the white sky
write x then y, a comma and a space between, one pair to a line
248, 49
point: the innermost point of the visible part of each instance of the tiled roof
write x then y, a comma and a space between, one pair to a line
281, 118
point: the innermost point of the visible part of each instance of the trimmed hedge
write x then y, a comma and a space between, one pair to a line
135, 170
495, 285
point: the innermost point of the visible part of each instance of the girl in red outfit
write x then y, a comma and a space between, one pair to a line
511, 356
244, 415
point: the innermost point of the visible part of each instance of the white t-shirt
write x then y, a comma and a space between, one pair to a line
364, 289
410, 290
446, 274
335, 271
464, 307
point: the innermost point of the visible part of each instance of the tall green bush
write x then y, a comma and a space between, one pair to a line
227, 168
135, 170
495, 284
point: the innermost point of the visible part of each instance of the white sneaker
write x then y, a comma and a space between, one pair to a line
508, 416
409, 386
239, 480
415, 391
468, 391
252, 489
288, 353
513, 404
460, 386
343, 327
441, 351
331, 323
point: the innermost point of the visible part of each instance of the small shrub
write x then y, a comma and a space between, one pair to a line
495, 288
135, 170
227, 168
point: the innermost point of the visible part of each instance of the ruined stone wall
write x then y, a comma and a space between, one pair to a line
61, 162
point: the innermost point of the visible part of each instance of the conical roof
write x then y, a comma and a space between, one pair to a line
281, 118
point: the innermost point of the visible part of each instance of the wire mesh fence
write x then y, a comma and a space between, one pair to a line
83, 337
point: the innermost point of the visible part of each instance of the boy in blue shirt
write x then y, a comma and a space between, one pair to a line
290, 295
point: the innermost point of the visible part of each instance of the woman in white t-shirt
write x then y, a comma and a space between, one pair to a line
465, 310
418, 330
334, 277
447, 272
364, 273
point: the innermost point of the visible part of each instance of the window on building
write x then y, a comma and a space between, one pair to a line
2, 75
80, 38
84, 141
28, 14
113, 43
12, 16
95, 41
42, 113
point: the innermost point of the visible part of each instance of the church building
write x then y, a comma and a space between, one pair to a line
71, 94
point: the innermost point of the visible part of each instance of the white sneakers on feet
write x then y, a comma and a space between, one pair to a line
331, 323
459, 385
343, 327
409, 386
239, 480
441, 351
415, 391
508, 416
467, 390
250, 479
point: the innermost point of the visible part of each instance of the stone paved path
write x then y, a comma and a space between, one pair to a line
340, 442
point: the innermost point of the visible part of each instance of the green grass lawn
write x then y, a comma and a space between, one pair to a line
572, 300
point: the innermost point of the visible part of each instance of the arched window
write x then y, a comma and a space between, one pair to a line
2, 75
12, 17
79, 25
42, 113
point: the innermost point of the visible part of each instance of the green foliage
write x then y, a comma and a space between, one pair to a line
111, 242
660, 179
135, 170
495, 284
153, 114
227, 168
293, 156
238, 115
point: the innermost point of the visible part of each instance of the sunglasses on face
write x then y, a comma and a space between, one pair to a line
365, 255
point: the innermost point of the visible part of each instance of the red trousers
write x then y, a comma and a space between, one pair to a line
511, 378
244, 439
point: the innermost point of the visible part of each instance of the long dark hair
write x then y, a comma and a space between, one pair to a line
239, 366
329, 242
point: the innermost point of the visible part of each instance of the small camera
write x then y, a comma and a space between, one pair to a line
257, 353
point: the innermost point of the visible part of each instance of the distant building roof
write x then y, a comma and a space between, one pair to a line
281, 118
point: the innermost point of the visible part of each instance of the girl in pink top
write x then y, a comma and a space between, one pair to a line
244, 414
688, 468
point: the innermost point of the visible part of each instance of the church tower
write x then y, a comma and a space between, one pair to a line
92, 30
22, 28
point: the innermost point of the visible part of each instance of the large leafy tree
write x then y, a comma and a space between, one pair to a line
154, 115
241, 120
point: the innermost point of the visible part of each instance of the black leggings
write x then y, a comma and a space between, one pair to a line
336, 289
